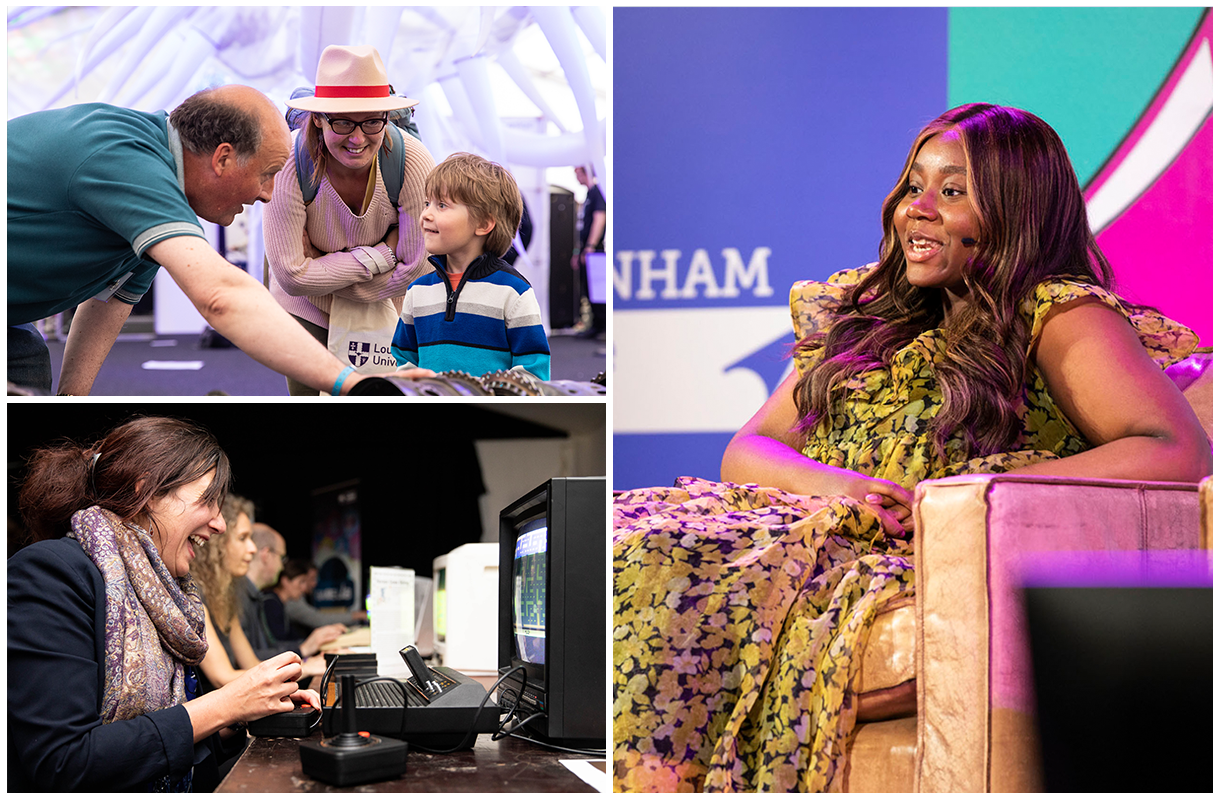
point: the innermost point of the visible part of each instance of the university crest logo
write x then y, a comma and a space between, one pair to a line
358, 353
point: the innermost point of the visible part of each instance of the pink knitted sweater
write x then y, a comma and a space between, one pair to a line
304, 286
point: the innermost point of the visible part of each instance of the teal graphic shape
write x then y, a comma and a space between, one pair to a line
1089, 72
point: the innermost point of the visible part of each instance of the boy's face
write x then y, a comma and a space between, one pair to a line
450, 229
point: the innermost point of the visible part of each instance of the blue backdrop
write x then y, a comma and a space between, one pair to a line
752, 149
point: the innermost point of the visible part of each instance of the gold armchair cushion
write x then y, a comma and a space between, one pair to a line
887, 675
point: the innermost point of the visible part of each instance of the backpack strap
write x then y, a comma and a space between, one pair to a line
392, 168
304, 163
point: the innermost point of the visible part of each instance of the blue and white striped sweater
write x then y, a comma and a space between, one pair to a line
490, 322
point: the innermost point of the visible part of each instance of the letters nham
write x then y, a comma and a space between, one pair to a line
700, 278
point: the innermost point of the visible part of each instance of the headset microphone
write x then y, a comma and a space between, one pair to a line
968, 241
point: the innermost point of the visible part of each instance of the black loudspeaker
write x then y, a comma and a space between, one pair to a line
564, 285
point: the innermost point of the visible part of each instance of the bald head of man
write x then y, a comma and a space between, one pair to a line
234, 143
269, 558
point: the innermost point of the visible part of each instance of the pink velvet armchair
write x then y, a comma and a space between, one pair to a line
944, 697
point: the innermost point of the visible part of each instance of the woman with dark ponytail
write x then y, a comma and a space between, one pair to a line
987, 338
105, 624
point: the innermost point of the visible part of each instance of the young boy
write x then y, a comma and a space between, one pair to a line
474, 313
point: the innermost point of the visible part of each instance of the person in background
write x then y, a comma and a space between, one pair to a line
219, 570
263, 573
304, 617
592, 240
291, 585
101, 197
106, 627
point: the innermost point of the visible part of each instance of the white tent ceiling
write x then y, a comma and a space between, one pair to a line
524, 86
468, 65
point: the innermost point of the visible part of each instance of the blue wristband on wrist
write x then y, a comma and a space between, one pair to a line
334, 390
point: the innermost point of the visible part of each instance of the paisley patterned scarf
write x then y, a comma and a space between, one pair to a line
154, 621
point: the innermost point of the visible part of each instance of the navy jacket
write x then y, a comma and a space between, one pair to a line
56, 739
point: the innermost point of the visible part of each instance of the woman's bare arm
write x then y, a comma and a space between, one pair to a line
767, 452
238, 306
1099, 374
216, 666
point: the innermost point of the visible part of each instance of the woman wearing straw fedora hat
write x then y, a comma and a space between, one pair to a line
341, 261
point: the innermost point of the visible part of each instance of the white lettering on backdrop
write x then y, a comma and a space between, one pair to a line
700, 279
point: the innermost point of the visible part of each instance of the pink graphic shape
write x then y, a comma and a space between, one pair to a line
1202, 37
1161, 246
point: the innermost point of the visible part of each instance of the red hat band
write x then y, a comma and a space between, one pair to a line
353, 91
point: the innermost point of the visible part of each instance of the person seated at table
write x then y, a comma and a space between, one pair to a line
105, 624
264, 571
290, 586
219, 569
303, 617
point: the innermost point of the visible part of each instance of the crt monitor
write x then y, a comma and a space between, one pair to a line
552, 615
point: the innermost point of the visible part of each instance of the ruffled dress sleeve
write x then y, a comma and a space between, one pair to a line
1166, 341
1046, 430
814, 306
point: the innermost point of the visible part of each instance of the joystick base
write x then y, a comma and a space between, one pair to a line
341, 764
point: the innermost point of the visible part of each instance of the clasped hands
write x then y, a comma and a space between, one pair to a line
891, 502
390, 241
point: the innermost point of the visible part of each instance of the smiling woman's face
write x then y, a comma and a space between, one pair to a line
934, 216
239, 547
183, 521
354, 151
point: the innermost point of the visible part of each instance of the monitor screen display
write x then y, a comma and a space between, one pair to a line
529, 592
439, 616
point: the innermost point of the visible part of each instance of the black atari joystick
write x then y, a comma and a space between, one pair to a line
348, 758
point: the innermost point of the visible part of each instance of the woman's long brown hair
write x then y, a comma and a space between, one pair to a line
1032, 226
138, 461
220, 587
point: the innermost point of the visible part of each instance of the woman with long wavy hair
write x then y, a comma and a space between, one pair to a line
218, 569
987, 338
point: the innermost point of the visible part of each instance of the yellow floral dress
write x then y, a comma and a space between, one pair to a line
738, 608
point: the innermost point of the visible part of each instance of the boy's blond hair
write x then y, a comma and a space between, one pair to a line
486, 189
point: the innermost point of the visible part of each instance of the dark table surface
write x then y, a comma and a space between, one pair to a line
509, 765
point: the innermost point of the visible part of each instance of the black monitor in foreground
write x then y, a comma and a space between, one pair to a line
552, 628
1111, 660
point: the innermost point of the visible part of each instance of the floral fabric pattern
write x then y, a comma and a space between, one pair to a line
739, 609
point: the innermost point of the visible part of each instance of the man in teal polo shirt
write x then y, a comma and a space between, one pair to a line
100, 197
